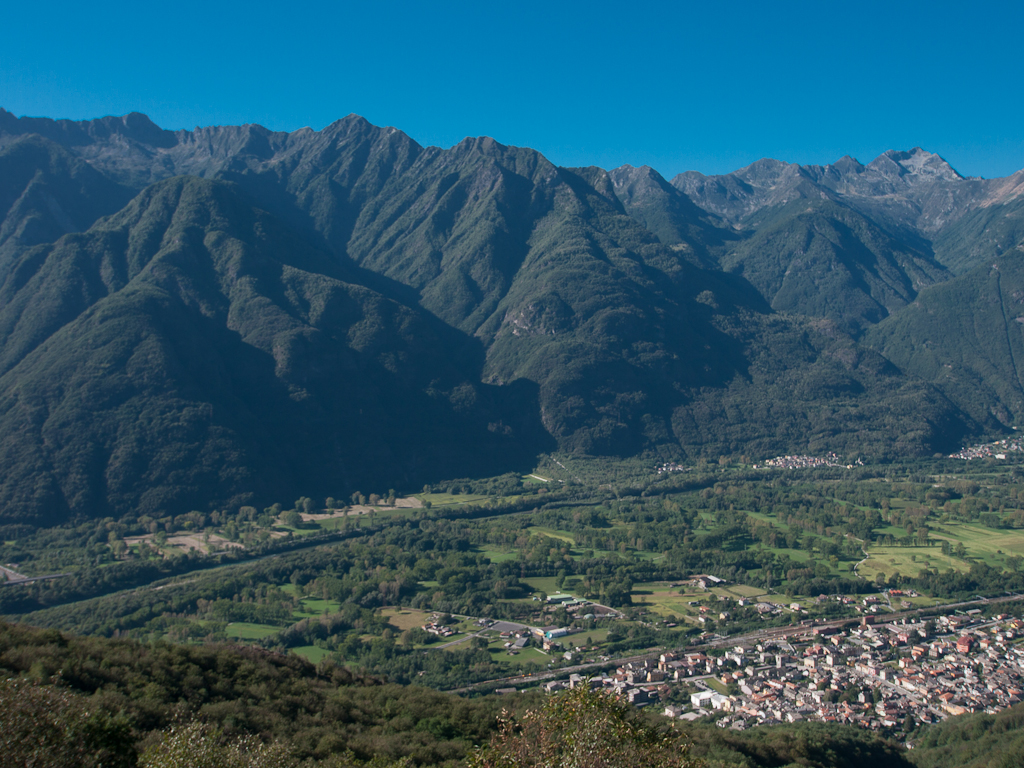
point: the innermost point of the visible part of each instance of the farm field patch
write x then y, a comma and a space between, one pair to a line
986, 543
241, 630
664, 600
552, 533
544, 584
311, 653
404, 619
908, 561
451, 499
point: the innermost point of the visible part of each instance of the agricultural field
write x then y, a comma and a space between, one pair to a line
545, 584
313, 606
907, 561
312, 653
451, 499
565, 536
404, 619
364, 598
497, 556
987, 544
241, 630
665, 600
744, 590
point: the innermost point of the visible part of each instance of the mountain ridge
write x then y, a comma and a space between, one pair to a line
456, 310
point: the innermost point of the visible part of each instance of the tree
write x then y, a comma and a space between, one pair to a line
196, 746
581, 728
48, 727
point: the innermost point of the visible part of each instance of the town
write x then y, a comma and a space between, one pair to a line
996, 450
804, 462
880, 676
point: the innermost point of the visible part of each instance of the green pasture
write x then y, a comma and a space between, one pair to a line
984, 543
311, 653
647, 555
552, 533
715, 683
663, 600
744, 590
544, 584
770, 519
241, 630
390, 513
497, 556
895, 531
908, 561
597, 636
799, 556
451, 499
313, 606
404, 619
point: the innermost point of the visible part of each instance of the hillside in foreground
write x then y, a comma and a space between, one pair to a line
123, 696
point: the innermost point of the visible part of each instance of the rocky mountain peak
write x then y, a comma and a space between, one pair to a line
767, 172
626, 177
916, 163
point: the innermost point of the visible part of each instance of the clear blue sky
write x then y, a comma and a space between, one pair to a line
678, 86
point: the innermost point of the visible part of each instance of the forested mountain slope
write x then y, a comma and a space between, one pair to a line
855, 242
46, 192
822, 258
191, 348
343, 308
966, 337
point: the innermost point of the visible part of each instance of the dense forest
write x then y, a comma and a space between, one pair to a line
127, 699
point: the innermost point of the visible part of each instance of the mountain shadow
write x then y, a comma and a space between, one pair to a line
190, 351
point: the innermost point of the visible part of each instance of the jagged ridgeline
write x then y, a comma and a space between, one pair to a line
226, 315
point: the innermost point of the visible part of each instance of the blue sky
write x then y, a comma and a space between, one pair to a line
677, 86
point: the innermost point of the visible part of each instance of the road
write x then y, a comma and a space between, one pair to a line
13, 577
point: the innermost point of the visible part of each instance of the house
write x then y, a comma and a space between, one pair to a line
639, 697
701, 698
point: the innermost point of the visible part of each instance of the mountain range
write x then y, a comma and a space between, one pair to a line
230, 315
